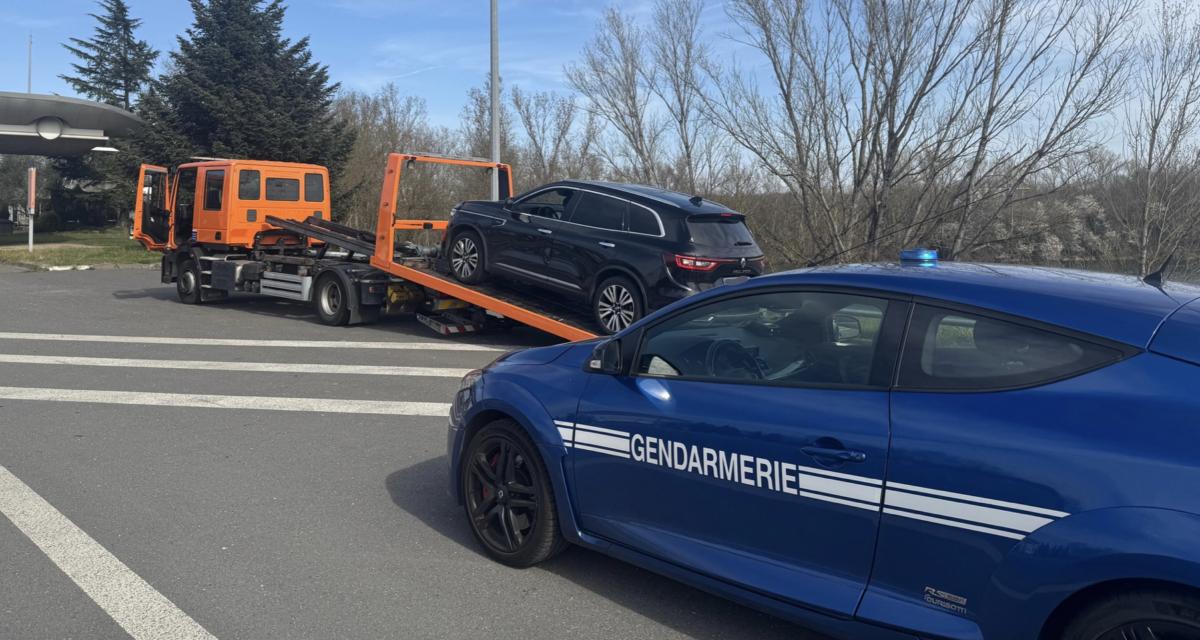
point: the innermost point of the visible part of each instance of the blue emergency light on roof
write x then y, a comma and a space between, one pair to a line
923, 257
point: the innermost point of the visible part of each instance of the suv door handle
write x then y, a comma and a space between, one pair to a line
608, 245
545, 231
839, 455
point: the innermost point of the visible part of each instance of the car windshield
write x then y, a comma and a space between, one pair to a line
719, 231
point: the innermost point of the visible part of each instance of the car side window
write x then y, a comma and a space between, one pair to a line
600, 211
642, 220
551, 203
952, 350
782, 338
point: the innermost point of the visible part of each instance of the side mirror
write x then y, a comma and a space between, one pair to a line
508, 202
605, 358
846, 327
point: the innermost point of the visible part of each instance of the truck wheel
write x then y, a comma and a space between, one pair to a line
466, 258
508, 497
332, 301
617, 304
187, 285
1142, 613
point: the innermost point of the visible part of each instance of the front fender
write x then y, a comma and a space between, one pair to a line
1085, 550
509, 394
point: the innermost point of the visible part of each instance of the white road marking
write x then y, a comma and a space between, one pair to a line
240, 342
203, 401
143, 612
217, 365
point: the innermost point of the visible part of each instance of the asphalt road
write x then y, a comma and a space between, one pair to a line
250, 523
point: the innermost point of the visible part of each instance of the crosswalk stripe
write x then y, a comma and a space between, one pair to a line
205, 401
217, 365
241, 342
143, 612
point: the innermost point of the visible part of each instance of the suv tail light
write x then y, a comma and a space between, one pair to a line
696, 263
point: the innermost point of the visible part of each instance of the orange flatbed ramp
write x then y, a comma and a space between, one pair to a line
524, 306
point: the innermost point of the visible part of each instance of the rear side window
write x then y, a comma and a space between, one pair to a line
951, 350
600, 211
314, 187
249, 184
719, 231
643, 221
214, 187
286, 189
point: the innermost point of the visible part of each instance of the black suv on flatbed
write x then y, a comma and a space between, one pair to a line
622, 248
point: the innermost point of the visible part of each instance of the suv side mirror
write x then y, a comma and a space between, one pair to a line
605, 358
508, 202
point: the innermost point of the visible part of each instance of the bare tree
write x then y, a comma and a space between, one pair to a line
558, 145
614, 79
1160, 212
677, 51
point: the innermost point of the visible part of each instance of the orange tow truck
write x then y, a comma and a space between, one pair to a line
265, 227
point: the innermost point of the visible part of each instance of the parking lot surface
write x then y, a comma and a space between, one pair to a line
225, 471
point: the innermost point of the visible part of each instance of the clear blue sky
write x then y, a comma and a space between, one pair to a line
435, 49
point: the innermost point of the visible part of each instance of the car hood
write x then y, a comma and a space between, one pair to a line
545, 355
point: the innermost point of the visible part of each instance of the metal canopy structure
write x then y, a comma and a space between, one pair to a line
42, 125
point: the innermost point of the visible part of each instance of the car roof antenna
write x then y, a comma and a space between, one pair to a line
1156, 279
695, 200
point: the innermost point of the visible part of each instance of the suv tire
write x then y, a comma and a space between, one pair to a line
466, 258
617, 304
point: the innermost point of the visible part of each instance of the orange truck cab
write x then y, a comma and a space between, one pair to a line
225, 202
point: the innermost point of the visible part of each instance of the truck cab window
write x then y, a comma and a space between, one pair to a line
314, 187
214, 188
249, 184
185, 204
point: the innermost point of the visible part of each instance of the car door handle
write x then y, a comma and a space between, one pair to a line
840, 455
608, 245
545, 231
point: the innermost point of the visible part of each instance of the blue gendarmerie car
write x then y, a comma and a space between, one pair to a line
875, 451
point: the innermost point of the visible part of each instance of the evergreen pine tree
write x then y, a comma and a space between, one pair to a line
113, 65
113, 68
237, 88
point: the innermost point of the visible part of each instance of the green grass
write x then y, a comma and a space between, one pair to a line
101, 247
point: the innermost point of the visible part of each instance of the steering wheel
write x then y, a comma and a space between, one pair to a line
729, 359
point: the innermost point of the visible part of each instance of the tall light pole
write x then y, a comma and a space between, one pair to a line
495, 98
31, 204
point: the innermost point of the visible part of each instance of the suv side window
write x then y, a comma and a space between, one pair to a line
551, 203
600, 211
952, 350
781, 338
642, 220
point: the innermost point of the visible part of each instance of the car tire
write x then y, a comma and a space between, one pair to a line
507, 496
332, 301
466, 258
617, 304
1142, 613
187, 285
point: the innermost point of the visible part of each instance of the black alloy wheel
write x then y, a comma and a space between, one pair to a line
1139, 615
508, 498
466, 258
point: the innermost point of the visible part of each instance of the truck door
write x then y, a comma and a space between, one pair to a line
184, 195
151, 215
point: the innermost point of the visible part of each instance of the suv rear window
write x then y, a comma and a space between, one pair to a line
719, 231
951, 350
